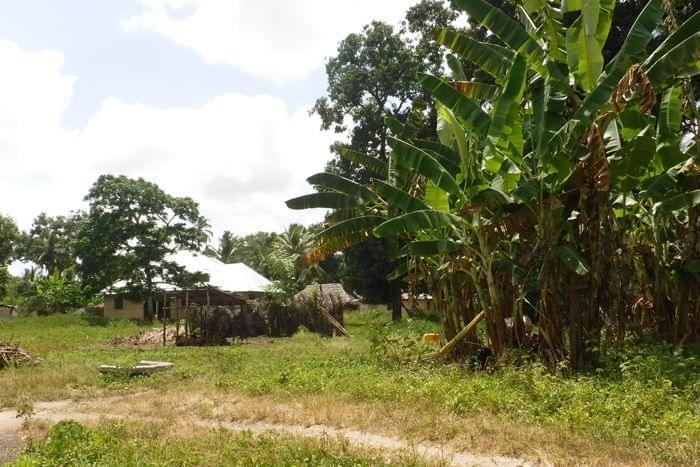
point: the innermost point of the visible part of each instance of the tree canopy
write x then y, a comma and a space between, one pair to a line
130, 229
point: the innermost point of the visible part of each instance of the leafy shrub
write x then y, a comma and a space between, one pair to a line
57, 293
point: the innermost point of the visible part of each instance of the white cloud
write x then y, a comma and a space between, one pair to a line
275, 40
239, 156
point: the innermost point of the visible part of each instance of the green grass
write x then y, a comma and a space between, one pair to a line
646, 401
70, 443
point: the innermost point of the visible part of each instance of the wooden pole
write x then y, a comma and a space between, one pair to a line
187, 307
177, 315
334, 322
165, 298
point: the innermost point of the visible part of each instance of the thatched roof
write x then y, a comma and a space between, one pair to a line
328, 290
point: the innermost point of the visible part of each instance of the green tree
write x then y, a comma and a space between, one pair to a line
371, 79
130, 229
9, 235
49, 243
230, 249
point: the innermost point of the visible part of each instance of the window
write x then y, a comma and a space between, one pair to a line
118, 302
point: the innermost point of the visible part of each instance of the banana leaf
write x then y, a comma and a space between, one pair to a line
415, 221
570, 257
420, 161
398, 198
373, 165
493, 59
682, 61
327, 199
503, 26
341, 184
464, 108
350, 226
456, 68
690, 27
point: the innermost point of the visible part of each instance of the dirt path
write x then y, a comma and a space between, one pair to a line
12, 435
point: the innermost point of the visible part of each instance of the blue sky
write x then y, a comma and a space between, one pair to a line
208, 98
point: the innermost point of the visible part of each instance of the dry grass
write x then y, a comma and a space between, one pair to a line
484, 435
307, 380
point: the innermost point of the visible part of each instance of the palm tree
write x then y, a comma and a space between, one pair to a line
228, 250
296, 240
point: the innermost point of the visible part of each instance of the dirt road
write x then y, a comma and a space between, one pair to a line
12, 435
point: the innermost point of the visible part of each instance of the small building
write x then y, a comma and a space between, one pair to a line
422, 302
334, 292
8, 311
229, 285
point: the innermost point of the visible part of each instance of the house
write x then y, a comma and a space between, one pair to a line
229, 285
334, 292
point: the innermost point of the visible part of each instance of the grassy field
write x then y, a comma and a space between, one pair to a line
642, 408
149, 444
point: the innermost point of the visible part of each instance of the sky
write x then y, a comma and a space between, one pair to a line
207, 98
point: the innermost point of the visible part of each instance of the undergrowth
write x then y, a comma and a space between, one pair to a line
70, 443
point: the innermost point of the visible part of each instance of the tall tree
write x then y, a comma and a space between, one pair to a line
130, 229
372, 78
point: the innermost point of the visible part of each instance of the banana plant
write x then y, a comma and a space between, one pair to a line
544, 182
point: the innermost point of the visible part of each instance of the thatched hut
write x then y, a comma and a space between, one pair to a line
331, 293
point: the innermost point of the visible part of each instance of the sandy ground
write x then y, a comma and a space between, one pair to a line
13, 436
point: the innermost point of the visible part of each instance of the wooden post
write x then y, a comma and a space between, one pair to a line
177, 315
187, 307
165, 298
208, 316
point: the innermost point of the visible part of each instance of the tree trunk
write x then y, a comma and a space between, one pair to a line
149, 314
396, 303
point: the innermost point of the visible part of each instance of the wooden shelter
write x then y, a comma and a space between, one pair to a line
333, 292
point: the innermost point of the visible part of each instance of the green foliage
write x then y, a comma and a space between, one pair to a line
130, 229
522, 195
9, 235
70, 443
642, 398
8, 238
50, 242
56, 293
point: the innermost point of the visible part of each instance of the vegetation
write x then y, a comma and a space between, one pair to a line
56, 293
131, 228
69, 443
544, 187
49, 243
8, 236
540, 166
641, 405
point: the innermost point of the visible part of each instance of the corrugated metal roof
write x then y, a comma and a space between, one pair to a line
234, 277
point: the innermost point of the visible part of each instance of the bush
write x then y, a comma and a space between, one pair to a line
57, 293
